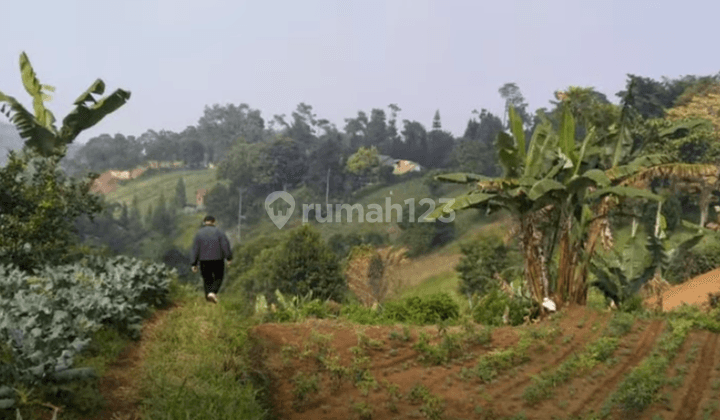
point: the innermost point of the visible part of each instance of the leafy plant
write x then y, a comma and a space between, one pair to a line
622, 275
48, 318
39, 130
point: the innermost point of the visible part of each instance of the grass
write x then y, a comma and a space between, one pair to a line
445, 282
201, 365
148, 188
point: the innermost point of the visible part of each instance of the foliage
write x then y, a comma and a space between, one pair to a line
485, 262
50, 316
300, 264
39, 130
365, 163
498, 308
622, 275
701, 104
371, 273
38, 205
692, 262
638, 389
422, 310
180, 200
422, 236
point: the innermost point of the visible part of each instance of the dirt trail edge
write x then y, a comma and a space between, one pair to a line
119, 384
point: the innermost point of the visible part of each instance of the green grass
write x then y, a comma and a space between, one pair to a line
446, 282
198, 364
148, 188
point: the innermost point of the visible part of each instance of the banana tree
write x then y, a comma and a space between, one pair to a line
39, 130
550, 178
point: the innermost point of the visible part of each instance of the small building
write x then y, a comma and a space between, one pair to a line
200, 197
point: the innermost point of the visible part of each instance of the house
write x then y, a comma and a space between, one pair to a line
399, 166
405, 166
200, 197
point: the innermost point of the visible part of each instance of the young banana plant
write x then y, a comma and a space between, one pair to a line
39, 130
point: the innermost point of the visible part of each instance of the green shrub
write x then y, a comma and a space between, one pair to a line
491, 308
482, 261
299, 265
695, 261
422, 310
360, 314
421, 238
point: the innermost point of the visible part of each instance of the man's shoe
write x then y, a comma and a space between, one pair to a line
212, 297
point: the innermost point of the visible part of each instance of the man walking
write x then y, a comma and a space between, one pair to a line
210, 248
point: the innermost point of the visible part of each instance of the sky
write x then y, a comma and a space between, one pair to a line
178, 56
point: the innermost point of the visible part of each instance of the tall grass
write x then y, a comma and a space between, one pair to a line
197, 366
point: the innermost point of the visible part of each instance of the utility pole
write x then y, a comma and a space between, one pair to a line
240, 215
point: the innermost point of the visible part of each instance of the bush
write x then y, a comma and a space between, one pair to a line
694, 262
482, 261
491, 308
299, 265
422, 310
423, 237
39, 204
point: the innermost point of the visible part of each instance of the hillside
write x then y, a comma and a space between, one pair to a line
149, 187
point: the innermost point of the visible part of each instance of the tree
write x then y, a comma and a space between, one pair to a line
180, 200
510, 92
440, 145
287, 160
703, 103
163, 218
356, 130
222, 203
415, 146
246, 165
396, 143
38, 202
365, 163
475, 152
39, 131
377, 131
221, 126
38, 206
549, 183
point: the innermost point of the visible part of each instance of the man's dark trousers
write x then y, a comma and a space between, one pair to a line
212, 273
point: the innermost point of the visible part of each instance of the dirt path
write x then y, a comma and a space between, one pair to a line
119, 385
693, 292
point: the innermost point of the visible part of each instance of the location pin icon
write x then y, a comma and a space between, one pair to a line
279, 217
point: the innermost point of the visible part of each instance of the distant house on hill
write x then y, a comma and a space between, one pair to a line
399, 166
200, 197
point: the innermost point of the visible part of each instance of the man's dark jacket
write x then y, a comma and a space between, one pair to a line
210, 244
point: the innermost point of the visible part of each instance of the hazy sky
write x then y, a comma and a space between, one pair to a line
176, 56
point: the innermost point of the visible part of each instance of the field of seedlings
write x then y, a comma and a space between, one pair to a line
580, 363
